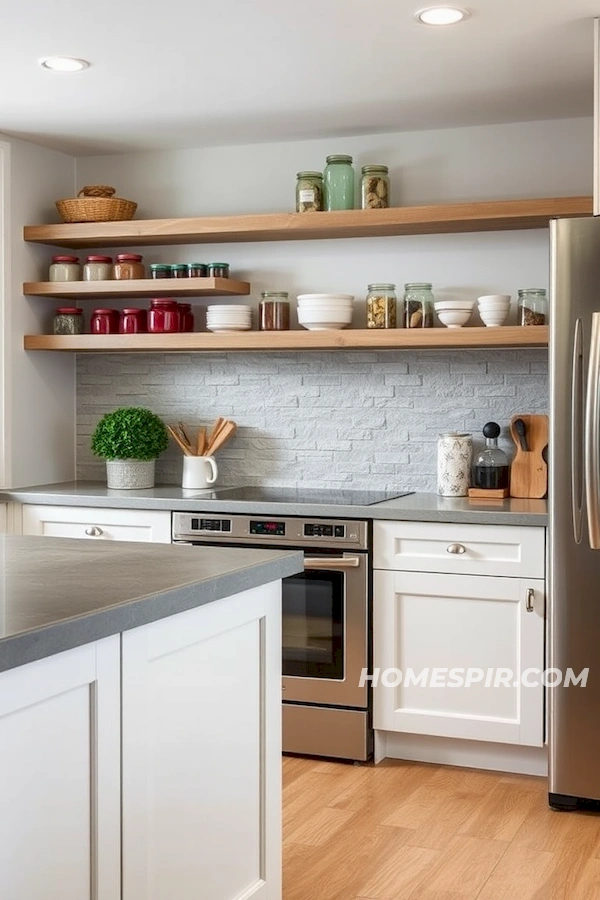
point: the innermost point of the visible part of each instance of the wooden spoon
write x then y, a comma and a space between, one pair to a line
223, 436
201, 441
213, 433
182, 445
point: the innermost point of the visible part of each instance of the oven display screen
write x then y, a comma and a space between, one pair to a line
274, 528
314, 530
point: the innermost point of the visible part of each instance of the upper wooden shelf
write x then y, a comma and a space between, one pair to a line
366, 339
502, 215
147, 287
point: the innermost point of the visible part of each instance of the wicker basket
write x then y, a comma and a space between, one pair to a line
96, 203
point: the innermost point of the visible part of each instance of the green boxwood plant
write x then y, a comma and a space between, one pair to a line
130, 432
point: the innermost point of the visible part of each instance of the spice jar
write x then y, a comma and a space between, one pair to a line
97, 268
375, 187
68, 320
133, 321
197, 270
163, 316
160, 270
128, 266
274, 311
218, 270
309, 192
179, 270
338, 183
64, 268
533, 306
186, 317
105, 321
381, 306
418, 306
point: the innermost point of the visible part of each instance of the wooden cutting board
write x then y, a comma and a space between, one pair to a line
529, 471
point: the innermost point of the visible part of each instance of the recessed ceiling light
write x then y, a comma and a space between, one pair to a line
441, 15
64, 63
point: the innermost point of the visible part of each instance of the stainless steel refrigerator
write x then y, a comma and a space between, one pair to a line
574, 497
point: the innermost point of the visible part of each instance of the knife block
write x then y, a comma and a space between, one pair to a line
529, 471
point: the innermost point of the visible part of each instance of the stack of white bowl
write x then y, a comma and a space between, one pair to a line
319, 312
228, 318
454, 313
494, 309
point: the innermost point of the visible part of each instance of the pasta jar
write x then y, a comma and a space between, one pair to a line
160, 270
179, 270
97, 268
128, 266
274, 311
104, 321
163, 316
68, 320
309, 192
381, 306
186, 317
218, 270
133, 321
375, 187
64, 268
533, 306
418, 305
455, 453
338, 182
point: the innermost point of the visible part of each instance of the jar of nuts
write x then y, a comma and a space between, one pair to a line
418, 305
381, 306
533, 306
309, 192
375, 187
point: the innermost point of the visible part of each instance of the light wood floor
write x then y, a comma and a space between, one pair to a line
410, 831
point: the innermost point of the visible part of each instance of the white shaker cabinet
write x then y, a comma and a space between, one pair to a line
459, 597
98, 523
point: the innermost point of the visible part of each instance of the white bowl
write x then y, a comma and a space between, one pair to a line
505, 298
349, 297
493, 304
493, 319
454, 318
325, 318
454, 304
330, 304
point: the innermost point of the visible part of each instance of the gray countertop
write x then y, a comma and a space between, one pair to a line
416, 507
58, 593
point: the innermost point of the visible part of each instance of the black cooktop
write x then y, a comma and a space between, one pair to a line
302, 495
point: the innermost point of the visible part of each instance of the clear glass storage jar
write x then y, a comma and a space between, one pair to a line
417, 310
68, 320
160, 270
309, 192
128, 266
97, 268
381, 306
375, 187
274, 311
64, 268
218, 270
179, 270
197, 270
338, 182
533, 306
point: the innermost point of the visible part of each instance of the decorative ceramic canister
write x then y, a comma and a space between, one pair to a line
455, 452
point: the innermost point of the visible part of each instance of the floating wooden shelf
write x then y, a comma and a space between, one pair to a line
457, 217
351, 339
160, 287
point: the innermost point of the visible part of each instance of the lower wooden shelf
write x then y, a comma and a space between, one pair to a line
350, 339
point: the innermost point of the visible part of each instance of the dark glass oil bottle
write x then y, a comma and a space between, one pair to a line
491, 470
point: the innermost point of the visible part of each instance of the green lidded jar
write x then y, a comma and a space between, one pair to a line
309, 192
417, 305
381, 306
338, 183
179, 270
375, 187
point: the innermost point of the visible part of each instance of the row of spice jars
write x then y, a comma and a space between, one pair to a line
165, 316
334, 188
415, 309
128, 266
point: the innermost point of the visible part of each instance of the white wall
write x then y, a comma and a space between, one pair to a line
38, 388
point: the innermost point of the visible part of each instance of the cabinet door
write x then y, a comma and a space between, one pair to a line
60, 776
202, 752
98, 524
431, 621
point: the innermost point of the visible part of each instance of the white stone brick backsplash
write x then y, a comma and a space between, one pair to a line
361, 420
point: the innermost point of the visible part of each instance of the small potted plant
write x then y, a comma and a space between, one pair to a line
130, 439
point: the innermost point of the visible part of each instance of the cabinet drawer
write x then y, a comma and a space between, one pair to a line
505, 550
96, 524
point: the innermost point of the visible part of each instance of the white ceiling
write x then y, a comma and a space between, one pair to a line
190, 74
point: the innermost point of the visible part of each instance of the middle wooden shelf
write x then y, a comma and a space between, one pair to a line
147, 287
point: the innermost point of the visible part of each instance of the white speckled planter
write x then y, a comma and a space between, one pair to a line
455, 452
129, 474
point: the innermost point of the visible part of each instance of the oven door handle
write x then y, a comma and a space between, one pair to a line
331, 562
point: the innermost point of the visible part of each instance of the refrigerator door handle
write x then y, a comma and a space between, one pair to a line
577, 432
592, 436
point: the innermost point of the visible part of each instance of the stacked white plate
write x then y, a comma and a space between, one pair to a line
228, 318
319, 312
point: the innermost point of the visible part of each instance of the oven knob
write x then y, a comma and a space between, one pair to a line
353, 537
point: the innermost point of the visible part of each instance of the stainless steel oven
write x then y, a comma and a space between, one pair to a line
325, 623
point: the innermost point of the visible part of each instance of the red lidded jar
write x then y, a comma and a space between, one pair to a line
97, 268
105, 321
128, 265
186, 317
133, 321
163, 316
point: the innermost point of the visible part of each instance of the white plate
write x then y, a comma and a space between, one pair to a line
220, 330
324, 326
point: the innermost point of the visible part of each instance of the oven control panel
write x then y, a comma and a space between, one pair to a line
287, 531
324, 530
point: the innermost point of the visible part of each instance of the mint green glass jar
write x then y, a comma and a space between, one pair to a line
338, 183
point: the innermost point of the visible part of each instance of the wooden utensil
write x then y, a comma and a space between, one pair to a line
187, 450
201, 441
224, 434
529, 471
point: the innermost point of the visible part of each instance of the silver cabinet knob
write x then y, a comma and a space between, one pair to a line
93, 531
456, 548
